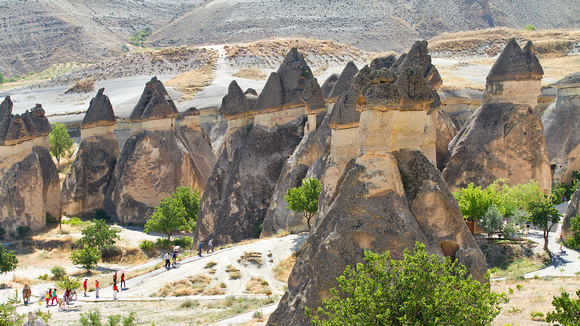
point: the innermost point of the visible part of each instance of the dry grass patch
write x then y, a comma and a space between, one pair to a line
193, 81
455, 83
210, 264
284, 267
250, 73
190, 286
216, 290
258, 286
530, 297
549, 42
251, 257
234, 272
84, 85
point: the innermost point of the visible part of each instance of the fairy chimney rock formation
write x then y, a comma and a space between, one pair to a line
280, 100
29, 185
155, 109
154, 161
504, 138
85, 185
314, 103
328, 84
198, 142
237, 106
389, 197
343, 82
560, 122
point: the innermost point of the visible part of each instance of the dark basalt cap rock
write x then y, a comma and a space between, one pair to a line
516, 64
419, 56
313, 98
100, 111
17, 128
154, 103
383, 62
191, 112
6, 107
572, 80
328, 84
408, 91
235, 102
287, 84
344, 113
346, 77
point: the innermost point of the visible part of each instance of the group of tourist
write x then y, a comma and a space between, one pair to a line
67, 296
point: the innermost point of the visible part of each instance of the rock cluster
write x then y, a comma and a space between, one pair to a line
504, 138
388, 197
560, 122
155, 145
29, 184
85, 185
262, 134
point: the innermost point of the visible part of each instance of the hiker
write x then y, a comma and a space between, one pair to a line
200, 248
210, 245
67, 296
174, 258
115, 278
47, 297
123, 284
96, 289
167, 263
73, 293
561, 241
26, 292
115, 290
85, 285
54, 297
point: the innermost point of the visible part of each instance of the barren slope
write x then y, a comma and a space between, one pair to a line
367, 24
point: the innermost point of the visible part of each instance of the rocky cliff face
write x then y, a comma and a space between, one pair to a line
384, 201
29, 186
504, 138
85, 185
562, 137
155, 146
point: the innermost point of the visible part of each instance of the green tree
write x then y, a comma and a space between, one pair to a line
8, 315
543, 215
8, 261
530, 28
69, 283
491, 220
474, 201
304, 199
567, 310
86, 257
59, 141
98, 235
421, 289
175, 213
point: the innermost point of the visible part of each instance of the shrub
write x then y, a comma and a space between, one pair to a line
163, 243
58, 272
75, 221
147, 246
23, 231
530, 28
184, 242
567, 310
420, 289
573, 241
111, 253
91, 318
86, 257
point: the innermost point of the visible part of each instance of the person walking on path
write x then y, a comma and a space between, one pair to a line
123, 284
115, 278
561, 241
54, 297
210, 245
96, 289
85, 285
47, 296
26, 292
167, 262
115, 290
200, 248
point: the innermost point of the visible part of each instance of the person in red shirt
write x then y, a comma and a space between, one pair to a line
85, 285
123, 284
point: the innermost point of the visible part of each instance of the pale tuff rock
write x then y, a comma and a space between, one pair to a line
85, 185
154, 103
504, 138
388, 198
328, 84
560, 122
198, 143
